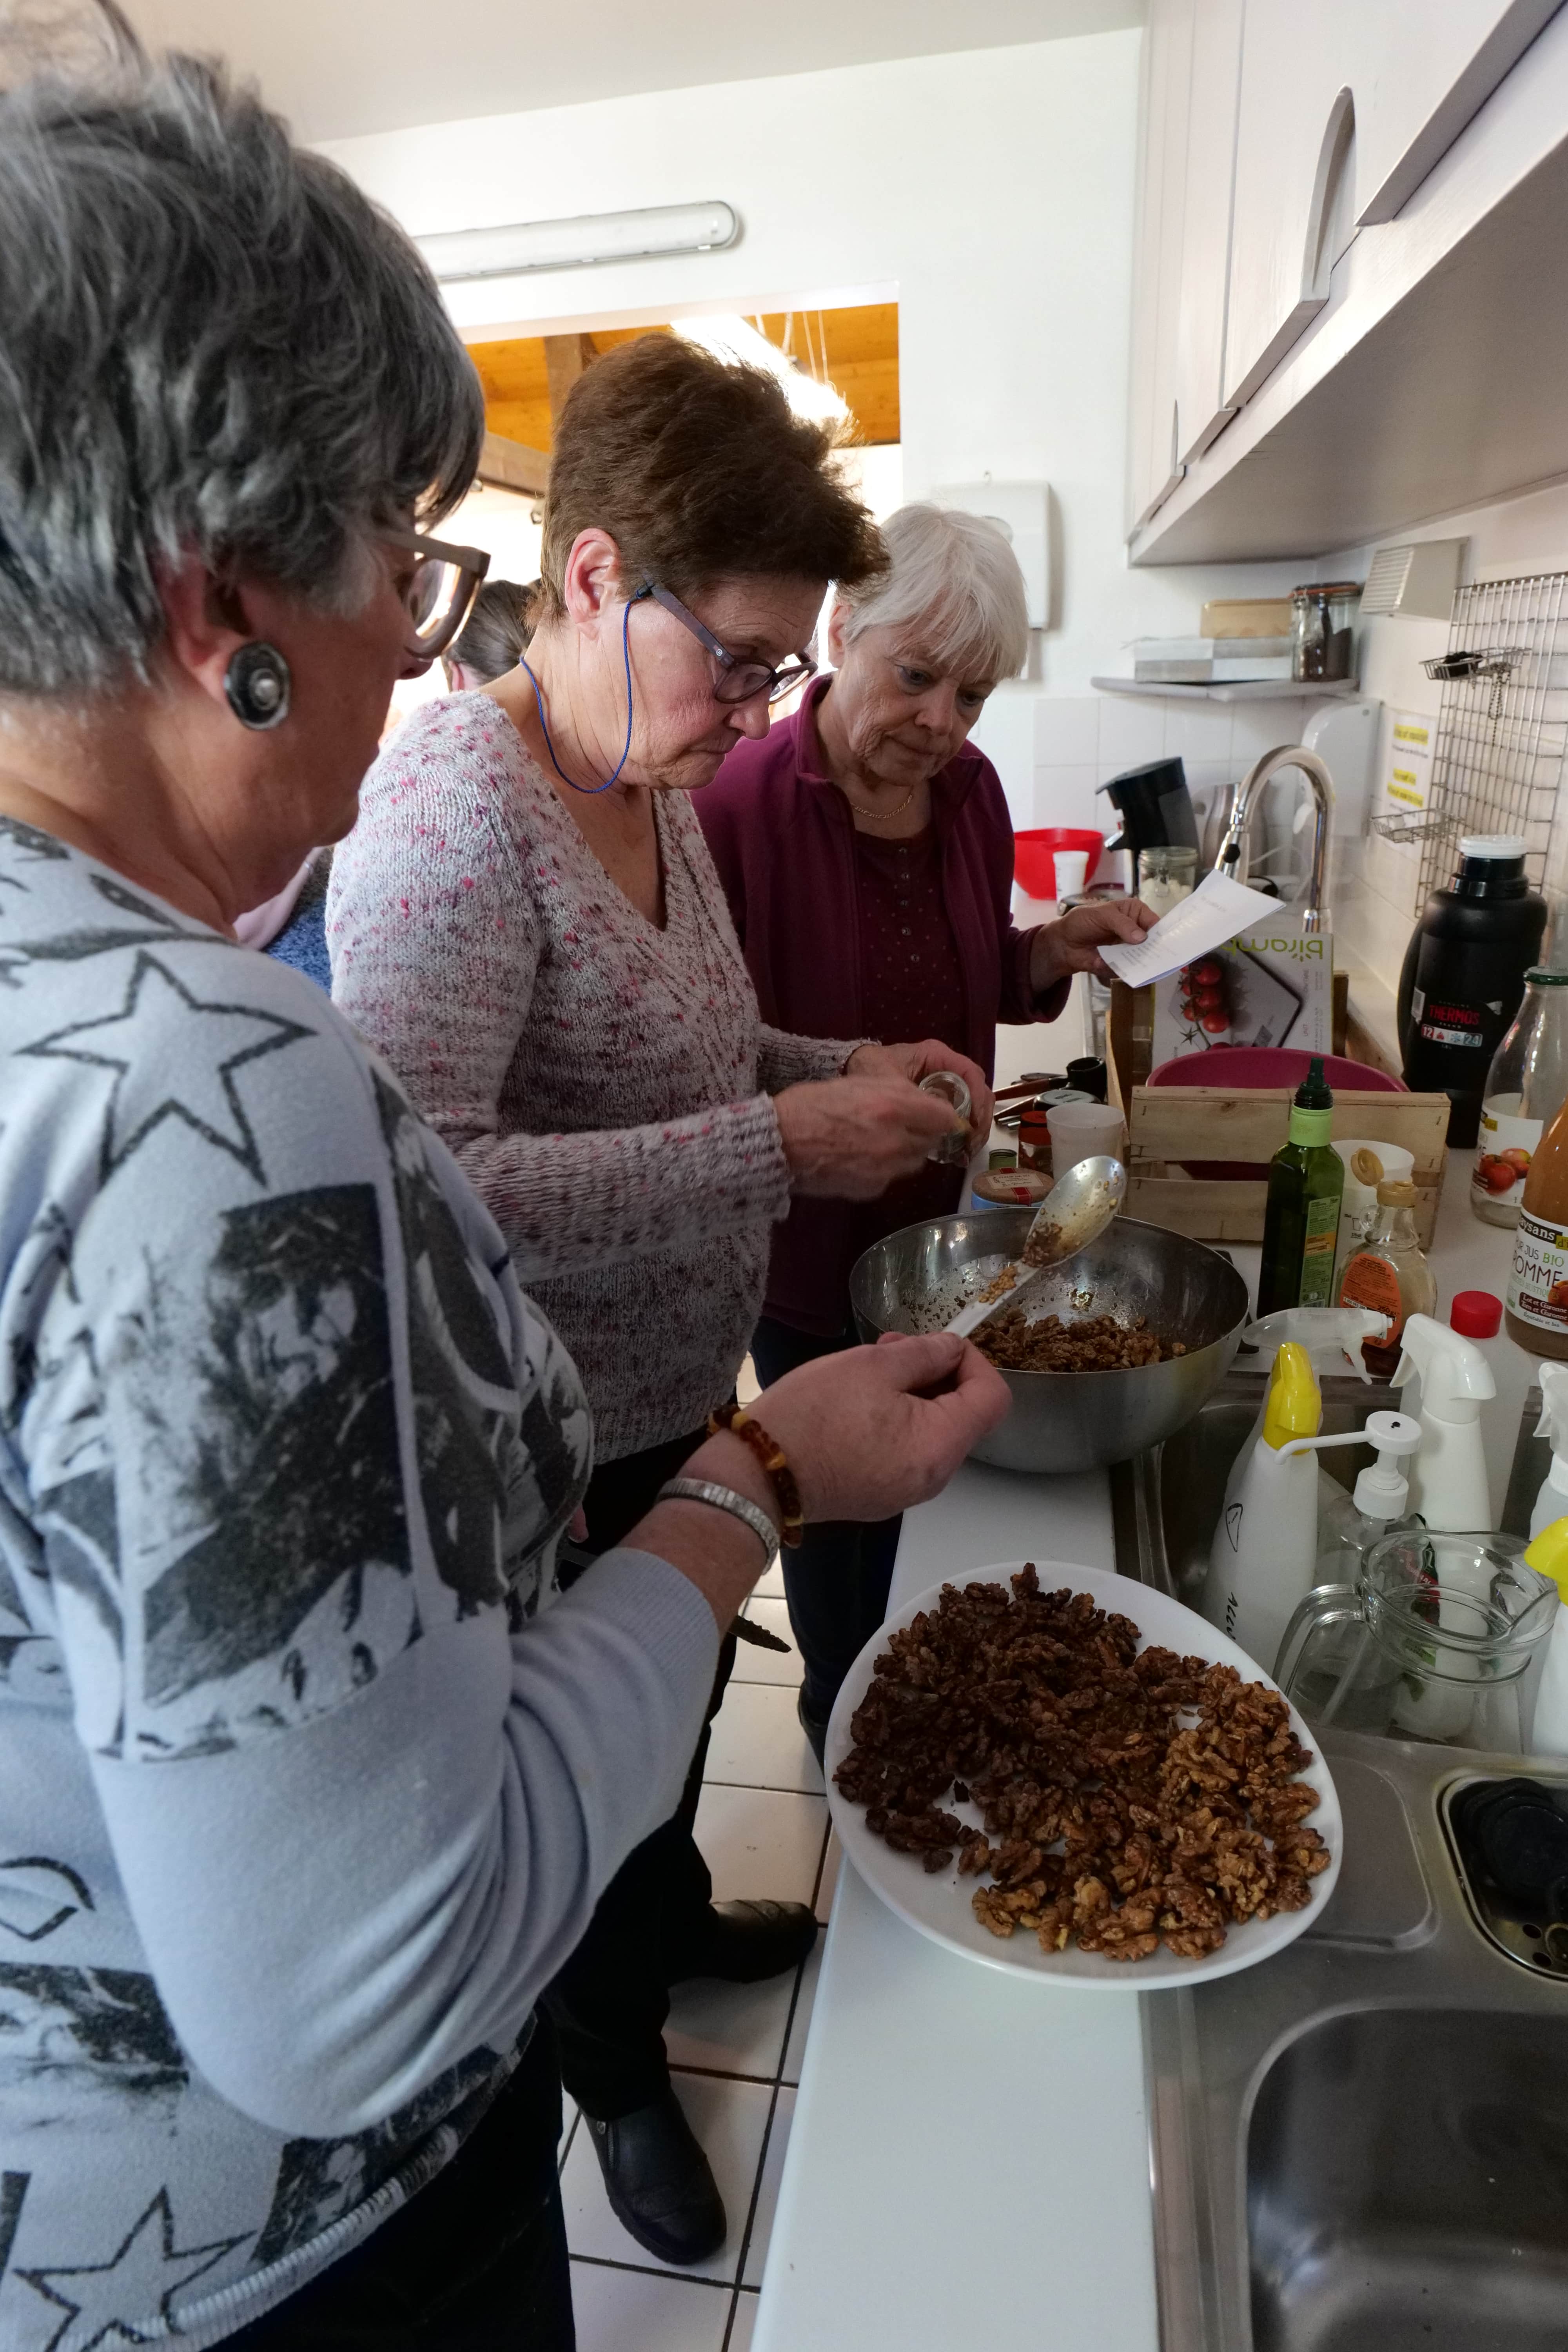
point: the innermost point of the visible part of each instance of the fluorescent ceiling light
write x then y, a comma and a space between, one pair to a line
570, 244
730, 337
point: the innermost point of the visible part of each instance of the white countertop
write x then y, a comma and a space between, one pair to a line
969, 2158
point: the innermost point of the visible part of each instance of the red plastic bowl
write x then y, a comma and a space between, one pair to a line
1271, 1065
1263, 1066
1035, 857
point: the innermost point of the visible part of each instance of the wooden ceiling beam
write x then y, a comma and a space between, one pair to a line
512, 466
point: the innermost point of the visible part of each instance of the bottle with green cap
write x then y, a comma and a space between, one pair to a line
1301, 1223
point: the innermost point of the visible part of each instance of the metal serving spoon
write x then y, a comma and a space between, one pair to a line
1074, 1212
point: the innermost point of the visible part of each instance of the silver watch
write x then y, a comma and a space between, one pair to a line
724, 1498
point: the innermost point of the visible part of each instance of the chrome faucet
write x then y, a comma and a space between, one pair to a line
1244, 802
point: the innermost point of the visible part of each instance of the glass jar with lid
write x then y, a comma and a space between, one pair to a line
1322, 630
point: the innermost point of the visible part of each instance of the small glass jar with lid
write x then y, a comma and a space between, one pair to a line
1322, 631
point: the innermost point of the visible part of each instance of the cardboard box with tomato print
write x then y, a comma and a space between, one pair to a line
1268, 987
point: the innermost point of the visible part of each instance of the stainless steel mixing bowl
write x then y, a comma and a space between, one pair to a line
916, 1279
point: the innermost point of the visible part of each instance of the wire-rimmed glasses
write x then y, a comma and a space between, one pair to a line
740, 681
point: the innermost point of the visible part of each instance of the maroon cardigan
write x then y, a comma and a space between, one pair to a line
783, 841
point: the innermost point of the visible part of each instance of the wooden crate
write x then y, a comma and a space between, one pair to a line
1168, 1125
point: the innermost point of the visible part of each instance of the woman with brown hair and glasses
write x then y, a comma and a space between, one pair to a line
527, 923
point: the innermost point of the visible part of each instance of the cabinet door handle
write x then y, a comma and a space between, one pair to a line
1333, 158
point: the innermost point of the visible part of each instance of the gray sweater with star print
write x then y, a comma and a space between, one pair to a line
309, 1781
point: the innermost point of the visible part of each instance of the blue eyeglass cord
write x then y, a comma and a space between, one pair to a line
545, 724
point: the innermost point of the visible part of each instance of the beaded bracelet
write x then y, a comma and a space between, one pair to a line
771, 1454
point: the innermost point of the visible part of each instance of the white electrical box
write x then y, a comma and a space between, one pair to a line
1023, 510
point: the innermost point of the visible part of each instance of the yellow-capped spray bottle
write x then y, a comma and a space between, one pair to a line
1548, 1555
1261, 1558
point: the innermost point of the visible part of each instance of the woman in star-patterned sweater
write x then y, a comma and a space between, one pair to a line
310, 1776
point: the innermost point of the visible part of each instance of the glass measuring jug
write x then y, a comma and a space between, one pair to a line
1431, 1642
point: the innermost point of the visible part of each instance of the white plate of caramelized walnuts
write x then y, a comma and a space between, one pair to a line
1065, 1774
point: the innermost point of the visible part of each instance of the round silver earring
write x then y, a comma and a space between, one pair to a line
257, 683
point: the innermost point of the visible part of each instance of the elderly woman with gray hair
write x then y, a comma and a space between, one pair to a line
310, 1779
867, 853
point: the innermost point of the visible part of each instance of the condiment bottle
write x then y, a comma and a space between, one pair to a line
1389, 1272
1537, 1308
1526, 1085
1463, 975
1301, 1222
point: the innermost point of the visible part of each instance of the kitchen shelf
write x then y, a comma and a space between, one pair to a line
1252, 690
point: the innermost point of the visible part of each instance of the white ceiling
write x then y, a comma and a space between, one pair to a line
336, 68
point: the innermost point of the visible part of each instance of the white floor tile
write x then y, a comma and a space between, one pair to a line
741, 2326
568, 2125
758, 1743
755, 1666
800, 2023
730, 2119
762, 1842
768, 2189
828, 1883
771, 1587
646, 2311
729, 2029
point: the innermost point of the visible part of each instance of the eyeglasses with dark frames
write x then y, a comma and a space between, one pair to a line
441, 591
741, 681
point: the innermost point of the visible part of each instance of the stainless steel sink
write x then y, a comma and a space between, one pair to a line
1362, 2144
1407, 2182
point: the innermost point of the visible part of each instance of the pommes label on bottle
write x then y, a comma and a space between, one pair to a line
1538, 1278
1318, 1250
1504, 1149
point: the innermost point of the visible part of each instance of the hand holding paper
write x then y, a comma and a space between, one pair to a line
1216, 911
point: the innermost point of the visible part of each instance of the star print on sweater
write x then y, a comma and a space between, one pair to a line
308, 1777
176, 1059
110, 2302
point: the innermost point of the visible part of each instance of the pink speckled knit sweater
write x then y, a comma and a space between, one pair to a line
604, 1084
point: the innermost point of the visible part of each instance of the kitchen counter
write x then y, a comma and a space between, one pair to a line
969, 2158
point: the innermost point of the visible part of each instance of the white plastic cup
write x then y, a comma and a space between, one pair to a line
1083, 1131
1072, 871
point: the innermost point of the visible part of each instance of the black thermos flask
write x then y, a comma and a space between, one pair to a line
1462, 978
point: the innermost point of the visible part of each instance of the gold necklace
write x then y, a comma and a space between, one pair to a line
882, 816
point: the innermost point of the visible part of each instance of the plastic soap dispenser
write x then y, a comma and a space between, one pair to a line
1265, 1547
1449, 1477
1549, 1727
1552, 1503
1349, 1525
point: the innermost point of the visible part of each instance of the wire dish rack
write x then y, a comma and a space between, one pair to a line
1503, 725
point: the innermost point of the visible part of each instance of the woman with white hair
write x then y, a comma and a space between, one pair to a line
867, 853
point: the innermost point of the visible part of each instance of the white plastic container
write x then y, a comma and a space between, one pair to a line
1552, 1503
1263, 1552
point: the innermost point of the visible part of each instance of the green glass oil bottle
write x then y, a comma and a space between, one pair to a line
1306, 1184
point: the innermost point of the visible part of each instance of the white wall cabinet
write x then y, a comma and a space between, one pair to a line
1419, 75
1154, 462
1283, 144
1294, 163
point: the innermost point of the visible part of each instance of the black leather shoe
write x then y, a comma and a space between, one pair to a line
742, 1943
658, 2181
814, 1726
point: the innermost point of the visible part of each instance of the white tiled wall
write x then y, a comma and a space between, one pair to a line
1080, 741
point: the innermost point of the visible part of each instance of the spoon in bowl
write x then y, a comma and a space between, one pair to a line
1074, 1212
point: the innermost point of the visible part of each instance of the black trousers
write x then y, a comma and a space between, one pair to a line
837, 1579
475, 2262
609, 2004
